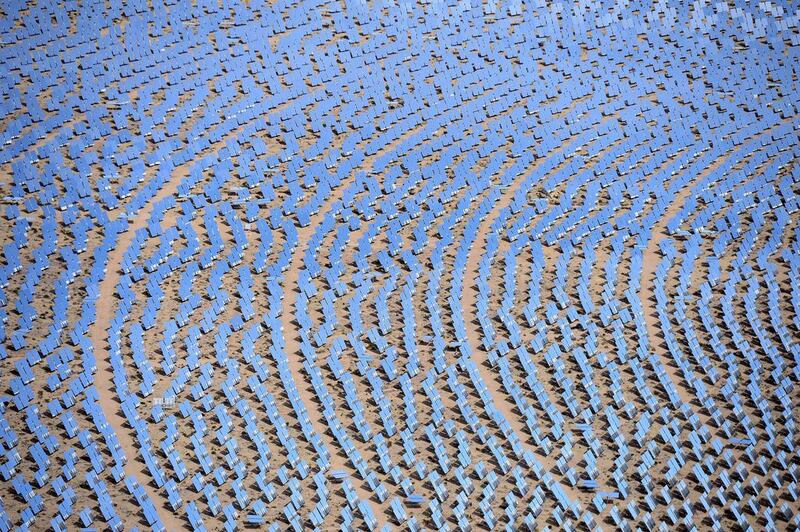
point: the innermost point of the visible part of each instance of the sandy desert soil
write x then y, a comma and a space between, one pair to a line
544, 254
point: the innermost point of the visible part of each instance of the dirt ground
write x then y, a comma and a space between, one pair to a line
430, 266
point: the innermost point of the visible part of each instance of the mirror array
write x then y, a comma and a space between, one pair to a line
436, 265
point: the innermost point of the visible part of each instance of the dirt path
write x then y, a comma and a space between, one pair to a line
469, 308
106, 306
104, 378
291, 335
650, 260
652, 256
